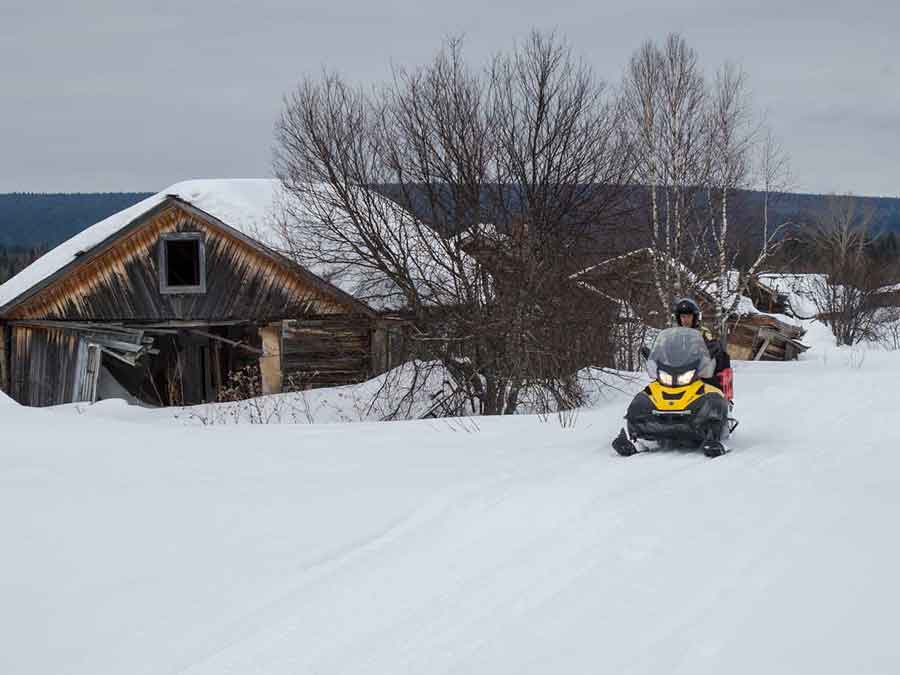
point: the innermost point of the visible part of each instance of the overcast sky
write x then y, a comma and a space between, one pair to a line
109, 95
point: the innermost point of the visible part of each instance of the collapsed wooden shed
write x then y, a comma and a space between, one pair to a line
165, 301
761, 337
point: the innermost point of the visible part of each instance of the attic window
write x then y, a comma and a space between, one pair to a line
182, 263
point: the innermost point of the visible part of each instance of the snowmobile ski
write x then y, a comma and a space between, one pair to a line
623, 445
714, 448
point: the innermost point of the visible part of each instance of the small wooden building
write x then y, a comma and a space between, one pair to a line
163, 302
762, 337
628, 279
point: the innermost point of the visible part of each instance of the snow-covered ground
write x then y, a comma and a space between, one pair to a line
485, 546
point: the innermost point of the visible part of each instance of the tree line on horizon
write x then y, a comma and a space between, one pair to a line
44, 220
14, 260
29, 219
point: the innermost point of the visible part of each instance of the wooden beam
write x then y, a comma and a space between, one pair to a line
762, 350
80, 326
270, 361
178, 325
236, 345
130, 360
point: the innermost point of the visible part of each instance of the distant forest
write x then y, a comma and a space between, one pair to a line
29, 219
801, 208
13, 260
33, 223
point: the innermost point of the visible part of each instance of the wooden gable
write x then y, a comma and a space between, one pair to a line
119, 280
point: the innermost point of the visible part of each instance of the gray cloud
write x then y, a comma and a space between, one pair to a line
109, 95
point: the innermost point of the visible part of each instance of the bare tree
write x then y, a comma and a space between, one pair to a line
666, 101
698, 145
729, 143
774, 176
461, 198
850, 280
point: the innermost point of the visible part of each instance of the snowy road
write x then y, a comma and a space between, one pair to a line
420, 547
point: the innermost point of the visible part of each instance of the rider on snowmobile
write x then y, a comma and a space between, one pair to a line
679, 407
687, 314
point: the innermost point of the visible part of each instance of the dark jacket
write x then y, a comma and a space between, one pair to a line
723, 377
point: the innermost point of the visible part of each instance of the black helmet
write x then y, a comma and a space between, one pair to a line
687, 306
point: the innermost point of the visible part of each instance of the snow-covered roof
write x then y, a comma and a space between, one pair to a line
253, 207
646, 251
433, 265
802, 290
799, 289
245, 205
743, 305
891, 288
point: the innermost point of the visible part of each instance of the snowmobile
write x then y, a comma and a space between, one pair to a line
679, 408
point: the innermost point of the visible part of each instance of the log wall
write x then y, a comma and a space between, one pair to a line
43, 365
326, 352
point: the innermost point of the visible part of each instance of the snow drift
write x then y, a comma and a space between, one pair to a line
483, 546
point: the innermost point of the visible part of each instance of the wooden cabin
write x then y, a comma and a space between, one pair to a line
628, 280
164, 302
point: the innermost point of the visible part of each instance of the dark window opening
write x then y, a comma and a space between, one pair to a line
183, 262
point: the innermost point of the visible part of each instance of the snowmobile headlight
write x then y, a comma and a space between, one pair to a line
665, 378
685, 378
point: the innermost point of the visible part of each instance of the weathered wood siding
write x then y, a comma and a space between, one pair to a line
326, 352
388, 345
44, 361
123, 283
4, 360
765, 338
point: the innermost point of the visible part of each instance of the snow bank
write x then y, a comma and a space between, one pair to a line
798, 289
390, 396
410, 391
503, 546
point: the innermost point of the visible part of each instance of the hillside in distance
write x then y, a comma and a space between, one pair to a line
802, 208
38, 220
30, 219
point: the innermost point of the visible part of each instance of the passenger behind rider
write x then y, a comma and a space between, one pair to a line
687, 314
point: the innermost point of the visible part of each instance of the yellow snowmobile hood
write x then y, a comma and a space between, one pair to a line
676, 399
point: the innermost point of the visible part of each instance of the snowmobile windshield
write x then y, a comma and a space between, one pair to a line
681, 349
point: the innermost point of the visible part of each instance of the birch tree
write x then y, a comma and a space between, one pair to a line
851, 277
698, 145
774, 176
743, 154
729, 143
666, 100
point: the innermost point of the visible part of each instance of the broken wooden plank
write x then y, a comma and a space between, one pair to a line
233, 343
